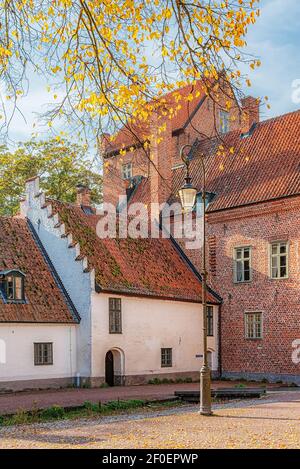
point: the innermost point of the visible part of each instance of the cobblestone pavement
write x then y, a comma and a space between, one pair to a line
10, 403
270, 422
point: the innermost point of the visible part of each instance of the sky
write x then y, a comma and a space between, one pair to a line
275, 39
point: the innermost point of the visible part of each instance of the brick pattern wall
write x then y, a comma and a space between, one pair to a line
113, 183
278, 300
163, 156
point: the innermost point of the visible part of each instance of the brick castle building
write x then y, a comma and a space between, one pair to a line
253, 221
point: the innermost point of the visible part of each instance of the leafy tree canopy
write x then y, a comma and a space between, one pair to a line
112, 60
61, 166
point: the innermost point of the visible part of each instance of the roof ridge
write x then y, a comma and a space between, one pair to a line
274, 118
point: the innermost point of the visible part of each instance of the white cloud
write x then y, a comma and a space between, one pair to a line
275, 39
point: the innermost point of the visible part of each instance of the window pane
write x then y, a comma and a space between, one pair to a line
246, 253
274, 248
246, 275
283, 272
238, 253
239, 271
18, 288
283, 248
10, 288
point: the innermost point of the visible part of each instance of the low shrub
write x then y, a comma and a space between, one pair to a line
54, 412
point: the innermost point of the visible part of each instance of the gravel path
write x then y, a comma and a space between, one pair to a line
270, 422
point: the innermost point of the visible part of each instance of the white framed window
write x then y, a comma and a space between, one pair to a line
279, 260
127, 171
224, 122
254, 325
242, 264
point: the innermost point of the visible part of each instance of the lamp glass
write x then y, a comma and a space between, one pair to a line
187, 196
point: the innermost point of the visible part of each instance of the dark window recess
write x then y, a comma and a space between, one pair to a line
43, 353
12, 286
166, 357
115, 316
210, 320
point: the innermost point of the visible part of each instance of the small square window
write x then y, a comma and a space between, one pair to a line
279, 260
253, 325
115, 316
166, 357
43, 353
127, 171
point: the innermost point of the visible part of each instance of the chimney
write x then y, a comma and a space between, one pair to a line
104, 144
161, 163
83, 197
250, 113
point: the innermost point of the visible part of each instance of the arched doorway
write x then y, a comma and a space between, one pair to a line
115, 367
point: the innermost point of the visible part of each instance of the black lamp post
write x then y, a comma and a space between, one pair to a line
187, 196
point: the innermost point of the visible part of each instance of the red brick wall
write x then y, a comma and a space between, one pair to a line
164, 155
113, 184
279, 300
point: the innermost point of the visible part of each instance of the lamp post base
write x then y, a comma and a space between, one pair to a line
205, 391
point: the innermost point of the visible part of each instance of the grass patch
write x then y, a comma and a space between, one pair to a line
87, 410
170, 380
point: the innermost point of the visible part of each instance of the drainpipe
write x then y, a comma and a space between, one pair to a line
220, 340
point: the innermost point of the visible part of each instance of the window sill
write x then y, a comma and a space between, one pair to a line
253, 338
279, 278
43, 364
242, 283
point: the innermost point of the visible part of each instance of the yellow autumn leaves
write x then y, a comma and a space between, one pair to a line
116, 58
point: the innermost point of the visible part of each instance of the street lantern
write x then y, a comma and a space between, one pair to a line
187, 195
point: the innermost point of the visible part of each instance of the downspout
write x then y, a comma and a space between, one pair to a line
220, 340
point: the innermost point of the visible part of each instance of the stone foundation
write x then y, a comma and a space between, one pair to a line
134, 380
35, 384
270, 377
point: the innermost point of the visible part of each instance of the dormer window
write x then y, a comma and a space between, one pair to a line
209, 197
12, 285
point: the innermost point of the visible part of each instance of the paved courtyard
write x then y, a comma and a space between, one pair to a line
270, 422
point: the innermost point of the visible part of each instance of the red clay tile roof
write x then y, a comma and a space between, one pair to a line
45, 302
265, 165
138, 132
143, 267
